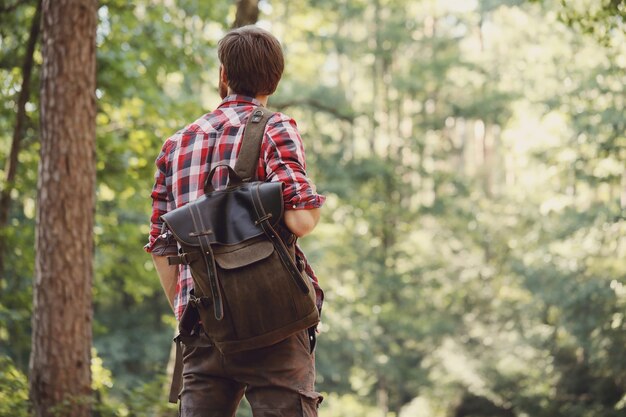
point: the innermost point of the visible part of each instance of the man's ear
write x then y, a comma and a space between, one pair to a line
223, 76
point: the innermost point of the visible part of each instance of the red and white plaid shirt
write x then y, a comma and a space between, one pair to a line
215, 138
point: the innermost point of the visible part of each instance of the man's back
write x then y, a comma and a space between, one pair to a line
188, 156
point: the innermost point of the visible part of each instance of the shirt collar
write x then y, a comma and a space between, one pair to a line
234, 100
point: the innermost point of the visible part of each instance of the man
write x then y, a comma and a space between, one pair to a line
277, 380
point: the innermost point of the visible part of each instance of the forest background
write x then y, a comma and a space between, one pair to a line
473, 243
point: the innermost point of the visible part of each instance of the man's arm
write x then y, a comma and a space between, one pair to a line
285, 161
159, 244
302, 222
168, 274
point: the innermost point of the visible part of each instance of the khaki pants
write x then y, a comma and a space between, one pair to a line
277, 380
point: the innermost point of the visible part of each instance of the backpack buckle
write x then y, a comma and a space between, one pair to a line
262, 219
257, 116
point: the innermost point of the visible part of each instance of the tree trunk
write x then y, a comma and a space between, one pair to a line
622, 198
382, 397
376, 45
247, 13
60, 376
18, 133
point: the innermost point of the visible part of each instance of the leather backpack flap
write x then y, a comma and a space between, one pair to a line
267, 192
243, 254
232, 203
179, 222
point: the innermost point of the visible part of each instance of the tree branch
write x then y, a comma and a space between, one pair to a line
317, 105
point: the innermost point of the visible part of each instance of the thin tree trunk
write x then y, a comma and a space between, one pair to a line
247, 13
382, 397
461, 132
622, 197
376, 75
60, 376
488, 163
18, 133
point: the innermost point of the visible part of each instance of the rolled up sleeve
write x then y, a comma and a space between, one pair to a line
160, 243
285, 161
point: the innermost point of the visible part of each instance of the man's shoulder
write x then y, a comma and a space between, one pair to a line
206, 124
215, 122
280, 117
281, 124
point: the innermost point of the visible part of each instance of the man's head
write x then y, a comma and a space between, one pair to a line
252, 61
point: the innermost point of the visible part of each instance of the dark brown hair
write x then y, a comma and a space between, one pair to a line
253, 60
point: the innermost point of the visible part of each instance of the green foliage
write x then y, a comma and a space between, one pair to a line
18, 239
13, 390
472, 243
148, 398
602, 19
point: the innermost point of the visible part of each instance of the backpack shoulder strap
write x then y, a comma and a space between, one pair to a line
248, 158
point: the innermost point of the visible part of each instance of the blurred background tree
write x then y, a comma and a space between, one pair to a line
473, 153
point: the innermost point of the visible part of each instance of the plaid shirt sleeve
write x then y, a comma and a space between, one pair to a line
285, 161
160, 243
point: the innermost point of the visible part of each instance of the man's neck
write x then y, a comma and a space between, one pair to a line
261, 99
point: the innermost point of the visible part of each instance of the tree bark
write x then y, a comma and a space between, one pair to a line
60, 376
18, 133
247, 13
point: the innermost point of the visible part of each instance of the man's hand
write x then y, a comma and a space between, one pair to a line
168, 274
